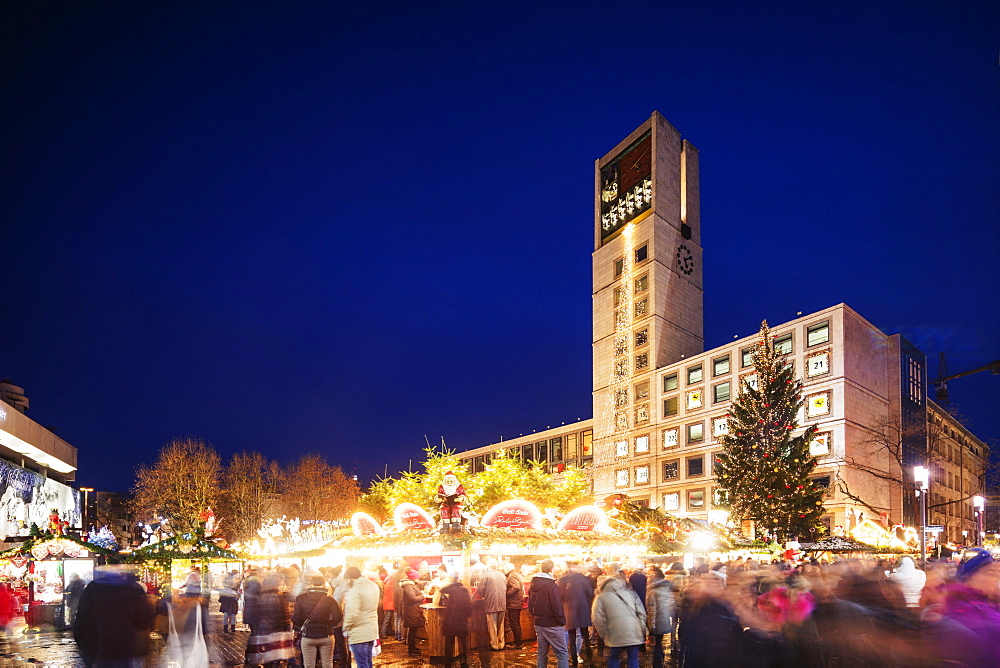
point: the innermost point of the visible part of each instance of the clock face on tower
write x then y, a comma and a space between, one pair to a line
685, 260
627, 186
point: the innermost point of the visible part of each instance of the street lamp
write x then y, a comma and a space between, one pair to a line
979, 503
85, 490
921, 479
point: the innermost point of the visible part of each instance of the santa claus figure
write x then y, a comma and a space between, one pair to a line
451, 496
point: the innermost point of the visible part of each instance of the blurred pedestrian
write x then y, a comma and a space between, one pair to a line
113, 621
272, 640
515, 602
620, 619
72, 593
577, 593
546, 607
187, 626
659, 611
911, 580
229, 601
492, 589
361, 616
457, 603
315, 615
413, 614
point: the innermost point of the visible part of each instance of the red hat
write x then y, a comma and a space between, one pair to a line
413, 574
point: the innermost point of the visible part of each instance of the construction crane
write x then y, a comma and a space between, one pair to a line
941, 382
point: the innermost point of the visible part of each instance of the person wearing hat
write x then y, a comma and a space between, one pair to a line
974, 602
413, 614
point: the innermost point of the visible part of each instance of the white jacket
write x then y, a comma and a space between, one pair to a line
910, 580
361, 611
618, 615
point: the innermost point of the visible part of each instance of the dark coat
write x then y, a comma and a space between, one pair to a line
515, 590
413, 597
577, 592
113, 621
637, 581
545, 603
457, 609
326, 617
270, 613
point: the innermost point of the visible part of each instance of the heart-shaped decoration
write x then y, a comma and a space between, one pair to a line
19, 560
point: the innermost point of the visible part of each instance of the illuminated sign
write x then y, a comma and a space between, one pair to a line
365, 525
584, 518
514, 514
412, 516
627, 186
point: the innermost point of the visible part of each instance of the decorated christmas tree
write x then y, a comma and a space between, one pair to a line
765, 467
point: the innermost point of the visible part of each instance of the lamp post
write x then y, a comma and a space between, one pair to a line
921, 479
979, 503
85, 490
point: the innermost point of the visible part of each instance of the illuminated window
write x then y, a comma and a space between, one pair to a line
670, 382
750, 380
671, 501
783, 344
695, 466
642, 390
818, 364
641, 361
587, 446
720, 427
818, 404
621, 478
670, 406
670, 437
556, 449
720, 392
695, 432
818, 334
642, 283
671, 470
571, 447
642, 414
621, 367
820, 445
527, 452
640, 307
720, 366
542, 451
621, 398
619, 295
696, 499
621, 347
641, 475
642, 443
619, 266
621, 449
641, 253
641, 338
694, 375
746, 357
694, 399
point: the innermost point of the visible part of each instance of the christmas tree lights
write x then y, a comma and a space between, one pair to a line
764, 470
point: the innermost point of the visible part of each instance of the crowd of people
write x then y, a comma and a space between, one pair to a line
844, 612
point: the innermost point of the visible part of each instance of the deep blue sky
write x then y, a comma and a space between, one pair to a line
304, 226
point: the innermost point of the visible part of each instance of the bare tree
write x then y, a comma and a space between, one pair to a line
251, 485
180, 486
316, 490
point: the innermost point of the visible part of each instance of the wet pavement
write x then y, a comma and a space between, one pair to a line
55, 649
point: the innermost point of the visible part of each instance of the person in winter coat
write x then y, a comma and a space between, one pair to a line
229, 600
71, 595
251, 592
911, 580
550, 621
515, 602
637, 581
492, 589
323, 614
577, 593
457, 603
113, 620
397, 597
361, 616
659, 611
413, 615
270, 610
620, 618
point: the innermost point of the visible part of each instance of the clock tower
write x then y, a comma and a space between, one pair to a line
647, 283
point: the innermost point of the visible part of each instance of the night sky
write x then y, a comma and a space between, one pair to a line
295, 227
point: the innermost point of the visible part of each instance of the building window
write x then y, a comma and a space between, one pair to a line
818, 364
720, 366
527, 452
642, 443
621, 449
696, 466
750, 380
716, 462
670, 406
642, 390
720, 497
621, 420
671, 470
746, 358
671, 501
642, 475
818, 404
640, 307
694, 375
641, 253
621, 347
587, 447
641, 361
818, 334
670, 382
619, 266
696, 500
642, 414
571, 447
670, 438
694, 399
720, 427
820, 445
915, 376
619, 294
621, 367
783, 344
696, 432
720, 392
642, 283
555, 449
542, 451
621, 398
641, 338
621, 478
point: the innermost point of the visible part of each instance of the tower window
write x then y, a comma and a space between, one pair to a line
818, 334
642, 253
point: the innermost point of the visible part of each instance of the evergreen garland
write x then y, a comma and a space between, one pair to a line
764, 470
